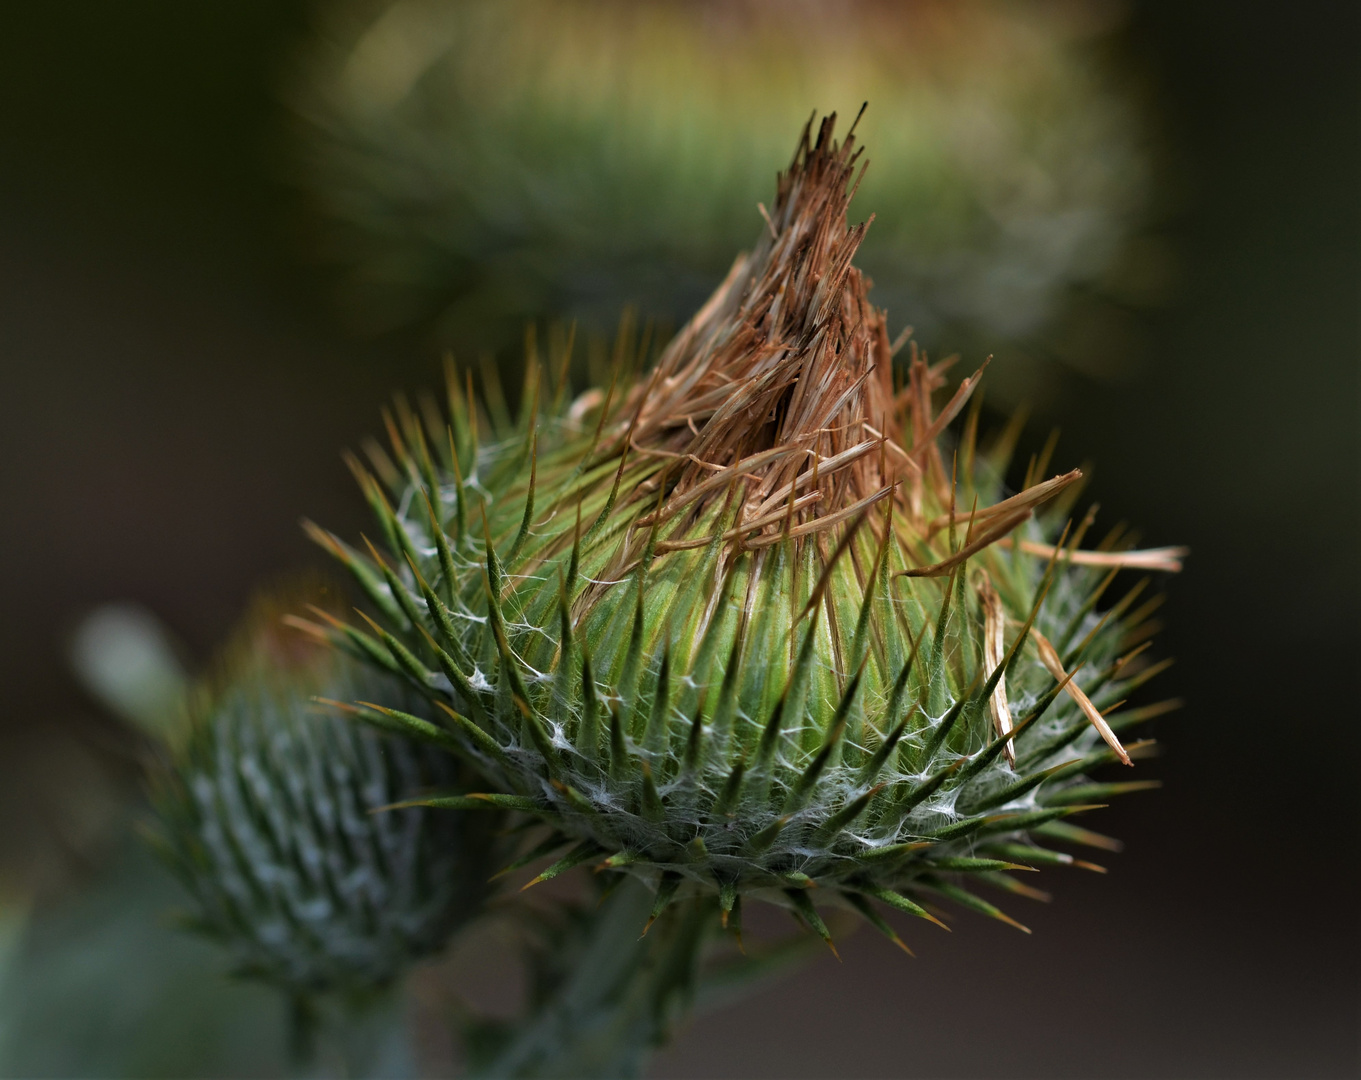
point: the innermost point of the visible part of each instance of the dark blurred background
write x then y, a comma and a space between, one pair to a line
178, 385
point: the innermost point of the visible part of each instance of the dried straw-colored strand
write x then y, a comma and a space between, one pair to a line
1049, 657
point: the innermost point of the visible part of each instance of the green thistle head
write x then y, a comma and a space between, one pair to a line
753, 620
267, 814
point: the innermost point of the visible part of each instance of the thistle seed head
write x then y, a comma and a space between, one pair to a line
755, 619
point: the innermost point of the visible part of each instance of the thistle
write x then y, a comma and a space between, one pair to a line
267, 814
754, 624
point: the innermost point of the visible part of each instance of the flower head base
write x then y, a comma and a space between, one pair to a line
734, 625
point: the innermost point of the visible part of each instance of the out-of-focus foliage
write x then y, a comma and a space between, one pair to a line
125, 658
481, 164
105, 985
60, 1016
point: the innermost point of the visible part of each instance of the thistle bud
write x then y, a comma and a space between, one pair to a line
267, 812
754, 620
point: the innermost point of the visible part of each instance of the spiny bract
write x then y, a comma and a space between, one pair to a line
266, 813
733, 626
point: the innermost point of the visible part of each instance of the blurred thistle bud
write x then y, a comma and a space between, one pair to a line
479, 164
754, 620
271, 811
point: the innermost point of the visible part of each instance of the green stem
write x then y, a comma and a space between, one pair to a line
620, 1000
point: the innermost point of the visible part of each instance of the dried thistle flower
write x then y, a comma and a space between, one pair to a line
753, 621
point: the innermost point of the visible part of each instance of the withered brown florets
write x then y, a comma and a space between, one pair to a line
784, 375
